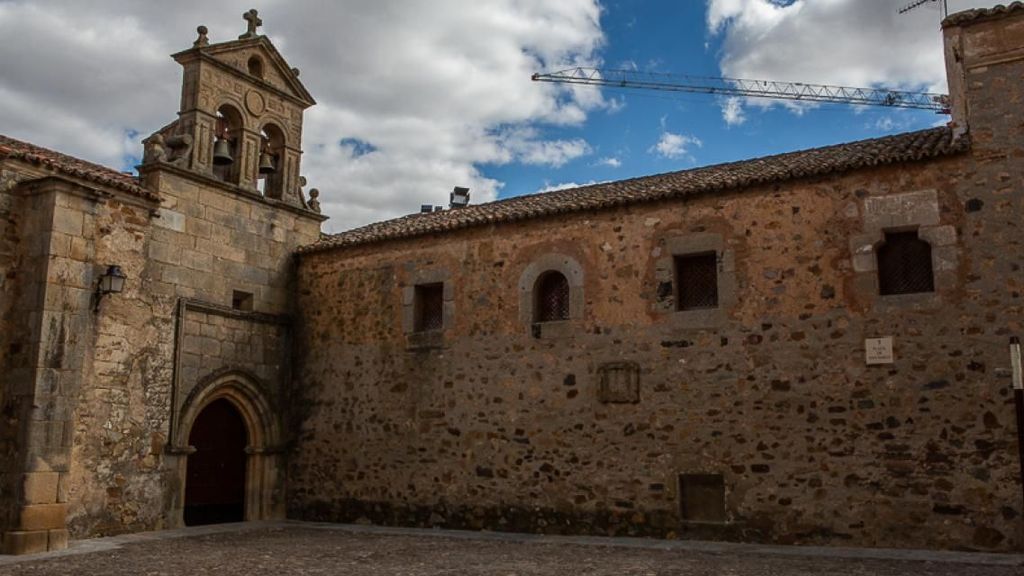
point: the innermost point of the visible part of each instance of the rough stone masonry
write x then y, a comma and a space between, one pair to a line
756, 419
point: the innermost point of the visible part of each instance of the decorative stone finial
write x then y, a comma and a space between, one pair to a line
252, 18
202, 40
314, 202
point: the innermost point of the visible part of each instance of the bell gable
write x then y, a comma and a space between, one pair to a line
240, 120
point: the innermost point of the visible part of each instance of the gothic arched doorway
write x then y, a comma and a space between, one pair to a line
216, 471
239, 399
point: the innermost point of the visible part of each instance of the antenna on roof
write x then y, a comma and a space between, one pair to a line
918, 3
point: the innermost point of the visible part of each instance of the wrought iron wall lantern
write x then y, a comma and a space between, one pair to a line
112, 282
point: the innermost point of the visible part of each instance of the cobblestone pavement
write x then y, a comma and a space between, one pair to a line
293, 548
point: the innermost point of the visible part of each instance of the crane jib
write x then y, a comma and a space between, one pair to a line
749, 88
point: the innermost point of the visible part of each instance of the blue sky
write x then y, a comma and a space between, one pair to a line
674, 37
414, 98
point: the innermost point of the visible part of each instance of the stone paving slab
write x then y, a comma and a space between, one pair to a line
286, 548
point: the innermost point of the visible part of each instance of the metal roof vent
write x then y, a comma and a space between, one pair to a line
459, 197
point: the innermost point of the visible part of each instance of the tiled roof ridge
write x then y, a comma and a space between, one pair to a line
908, 146
72, 166
975, 14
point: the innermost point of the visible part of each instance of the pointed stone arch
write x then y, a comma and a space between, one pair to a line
263, 463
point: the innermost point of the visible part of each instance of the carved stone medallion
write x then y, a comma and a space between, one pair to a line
255, 103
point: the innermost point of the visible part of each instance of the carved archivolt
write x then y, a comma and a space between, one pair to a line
246, 394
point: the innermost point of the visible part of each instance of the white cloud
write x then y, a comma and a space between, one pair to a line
890, 123
526, 146
732, 111
429, 91
609, 161
672, 145
615, 105
567, 185
843, 42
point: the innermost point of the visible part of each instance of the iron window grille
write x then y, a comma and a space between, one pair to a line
552, 297
905, 265
696, 281
429, 307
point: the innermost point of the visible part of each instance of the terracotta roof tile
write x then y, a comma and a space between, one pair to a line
968, 16
72, 166
814, 162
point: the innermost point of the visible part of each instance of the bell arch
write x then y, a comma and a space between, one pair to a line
271, 167
228, 141
263, 453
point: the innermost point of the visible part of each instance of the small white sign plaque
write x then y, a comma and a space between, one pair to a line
878, 350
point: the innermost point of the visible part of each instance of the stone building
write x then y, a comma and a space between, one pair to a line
104, 398
803, 348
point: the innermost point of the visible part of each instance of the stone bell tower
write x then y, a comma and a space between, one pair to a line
240, 120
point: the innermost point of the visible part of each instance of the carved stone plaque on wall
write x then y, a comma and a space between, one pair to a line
619, 383
878, 350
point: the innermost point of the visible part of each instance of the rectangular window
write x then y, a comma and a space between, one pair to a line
428, 305
696, 281
905, 264
241, 301
702, 497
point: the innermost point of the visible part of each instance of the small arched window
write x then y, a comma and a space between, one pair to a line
905, 264
256, 67
552, 294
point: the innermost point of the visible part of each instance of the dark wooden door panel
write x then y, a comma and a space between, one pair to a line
215, 479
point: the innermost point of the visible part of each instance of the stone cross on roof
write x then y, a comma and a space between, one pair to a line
254, 21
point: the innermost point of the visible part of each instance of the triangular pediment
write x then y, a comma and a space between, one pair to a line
276, 72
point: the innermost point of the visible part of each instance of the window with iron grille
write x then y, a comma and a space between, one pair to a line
552, 295
428, 305
905, 264
696, 281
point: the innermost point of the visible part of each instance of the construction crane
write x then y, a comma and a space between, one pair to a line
918, 3
748, 88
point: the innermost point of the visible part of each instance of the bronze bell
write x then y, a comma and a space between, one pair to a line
267, 163
222, 152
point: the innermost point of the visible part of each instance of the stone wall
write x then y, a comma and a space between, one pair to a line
204, 244
51, 324
88, 395
10, 235
760, 420
495, 428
